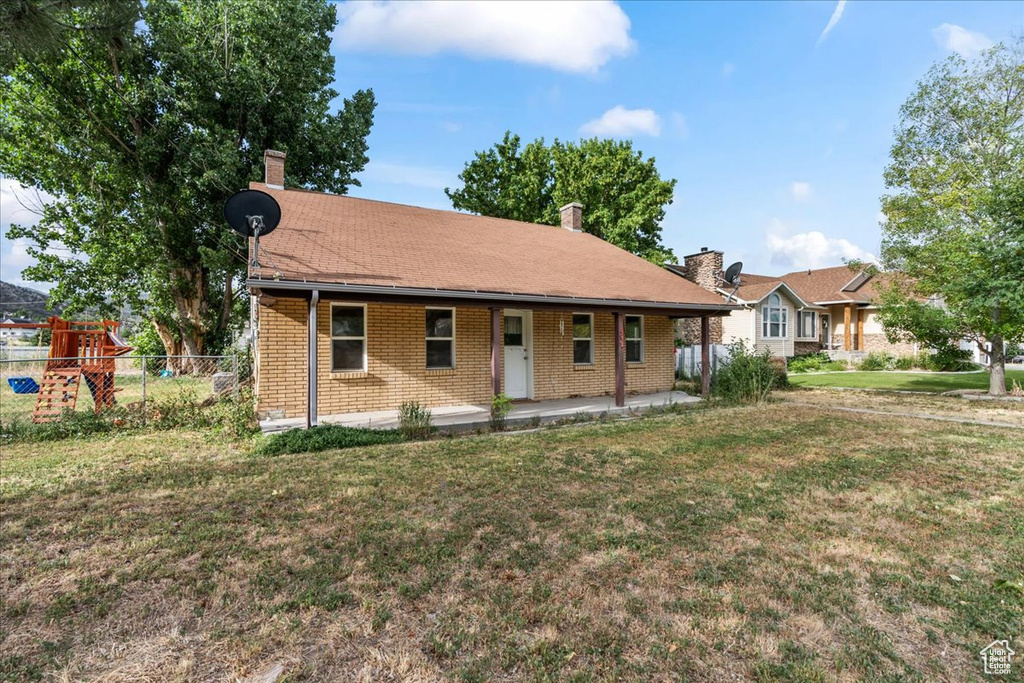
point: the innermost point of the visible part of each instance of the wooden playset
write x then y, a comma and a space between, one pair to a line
78, 351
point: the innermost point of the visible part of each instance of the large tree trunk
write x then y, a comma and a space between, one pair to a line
997, 367
189, 291
172, 346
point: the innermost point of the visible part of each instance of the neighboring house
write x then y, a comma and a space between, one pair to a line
806, 311
15, 334
361, 305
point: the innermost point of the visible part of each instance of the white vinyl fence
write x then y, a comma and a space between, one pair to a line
688, 359
139, 381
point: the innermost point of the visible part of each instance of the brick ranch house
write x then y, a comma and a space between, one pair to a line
806, 311
361, 305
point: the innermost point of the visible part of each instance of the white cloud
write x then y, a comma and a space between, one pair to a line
427, 177
568, 36
728, 69
810, 249
957, 39
451, 126
837, 14
621, 122
800, 191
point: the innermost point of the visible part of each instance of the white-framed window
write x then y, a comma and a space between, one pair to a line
807, 324
440, 338
774, 318
348, 337
583, 338
634, 338
514, 331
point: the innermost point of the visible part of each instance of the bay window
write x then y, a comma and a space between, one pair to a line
774, 318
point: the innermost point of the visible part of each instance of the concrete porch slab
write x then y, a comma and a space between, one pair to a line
470, 417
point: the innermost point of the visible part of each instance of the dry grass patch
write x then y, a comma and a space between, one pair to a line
1010, 412
766, 543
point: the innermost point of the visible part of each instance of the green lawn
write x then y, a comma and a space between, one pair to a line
903, 381
775, 543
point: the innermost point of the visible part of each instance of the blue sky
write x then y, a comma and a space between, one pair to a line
776, 130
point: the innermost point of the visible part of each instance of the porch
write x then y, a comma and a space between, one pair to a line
470, 417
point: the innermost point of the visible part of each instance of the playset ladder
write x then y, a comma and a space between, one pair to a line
58, 391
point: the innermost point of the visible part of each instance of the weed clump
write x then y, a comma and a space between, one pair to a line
748, 377
325, 438
414, 420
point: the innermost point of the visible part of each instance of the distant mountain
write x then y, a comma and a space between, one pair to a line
30, 303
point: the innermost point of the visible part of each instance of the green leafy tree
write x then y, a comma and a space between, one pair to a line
623, 194
955, 217
142, 118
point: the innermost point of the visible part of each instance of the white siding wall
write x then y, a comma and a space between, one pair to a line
777, 346
736, 327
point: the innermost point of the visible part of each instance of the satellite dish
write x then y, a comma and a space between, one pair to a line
732, 277
252, 213
732, 273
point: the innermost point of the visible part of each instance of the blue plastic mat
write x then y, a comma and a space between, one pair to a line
23, 385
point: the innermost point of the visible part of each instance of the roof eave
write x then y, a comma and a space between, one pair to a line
843, 301
792, 292
569, 301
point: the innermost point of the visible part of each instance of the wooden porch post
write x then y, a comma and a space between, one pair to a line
705, 355
860, 329
846, 327
620, 360
312, 418
495, 351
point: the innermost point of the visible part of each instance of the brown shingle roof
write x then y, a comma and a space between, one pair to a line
757, 290
751, 279
327, 238
826, 284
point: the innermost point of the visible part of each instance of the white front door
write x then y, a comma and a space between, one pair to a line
517, 354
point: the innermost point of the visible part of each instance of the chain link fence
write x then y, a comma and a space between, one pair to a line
50, 386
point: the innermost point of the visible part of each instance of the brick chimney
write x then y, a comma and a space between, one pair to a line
572, 217
704, 267
273, 161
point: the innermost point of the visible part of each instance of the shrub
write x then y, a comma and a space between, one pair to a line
237, 416
71, 424
501, 406
835, 366
325, 437
878, 360
414, 420
809, 362
949, 359
905, 363
180, 410
748, 377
